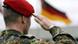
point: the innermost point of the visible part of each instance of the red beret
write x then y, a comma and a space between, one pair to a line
20, 6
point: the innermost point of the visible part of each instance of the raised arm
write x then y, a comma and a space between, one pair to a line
58, 36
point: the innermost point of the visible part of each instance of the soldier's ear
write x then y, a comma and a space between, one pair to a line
23, 19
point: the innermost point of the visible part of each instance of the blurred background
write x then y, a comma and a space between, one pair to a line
62, 13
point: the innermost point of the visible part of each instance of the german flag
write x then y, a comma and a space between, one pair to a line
54, 14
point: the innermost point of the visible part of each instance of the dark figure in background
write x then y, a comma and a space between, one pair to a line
17, 14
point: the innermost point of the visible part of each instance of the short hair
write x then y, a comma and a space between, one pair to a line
10, 15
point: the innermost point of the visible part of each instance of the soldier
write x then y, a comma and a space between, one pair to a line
17, 14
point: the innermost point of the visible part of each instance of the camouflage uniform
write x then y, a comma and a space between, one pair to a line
14, 37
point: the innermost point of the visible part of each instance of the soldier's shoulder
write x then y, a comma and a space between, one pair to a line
14, 40
12, 37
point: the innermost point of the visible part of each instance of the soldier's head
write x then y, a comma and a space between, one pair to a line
17, 13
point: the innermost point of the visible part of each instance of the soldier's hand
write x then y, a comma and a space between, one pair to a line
44, 22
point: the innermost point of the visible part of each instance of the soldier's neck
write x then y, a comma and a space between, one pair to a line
15, 27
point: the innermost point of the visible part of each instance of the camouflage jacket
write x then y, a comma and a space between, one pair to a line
15, 37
